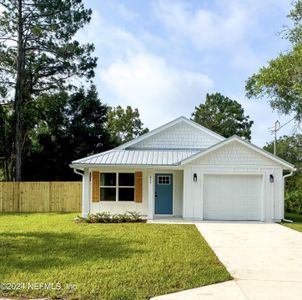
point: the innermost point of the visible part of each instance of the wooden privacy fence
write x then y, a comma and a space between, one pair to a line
40, 196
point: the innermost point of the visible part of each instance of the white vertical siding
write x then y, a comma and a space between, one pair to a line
146, 208
235, 159
119, 207
177, 194
271, 193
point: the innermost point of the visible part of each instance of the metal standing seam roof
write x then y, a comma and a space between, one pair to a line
138, 157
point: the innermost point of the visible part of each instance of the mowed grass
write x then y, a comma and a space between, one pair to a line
297, 225
101, 261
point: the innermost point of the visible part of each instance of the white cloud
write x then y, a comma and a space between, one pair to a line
111, 41
160, 91
124, 12
203, 27
140, 68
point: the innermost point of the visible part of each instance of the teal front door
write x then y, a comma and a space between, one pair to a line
163, 194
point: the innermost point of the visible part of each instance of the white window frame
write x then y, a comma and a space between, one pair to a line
164, 181
117, 186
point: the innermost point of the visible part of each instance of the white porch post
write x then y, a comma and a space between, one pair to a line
85, 193
150, 196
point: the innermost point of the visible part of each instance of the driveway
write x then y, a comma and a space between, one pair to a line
265, 260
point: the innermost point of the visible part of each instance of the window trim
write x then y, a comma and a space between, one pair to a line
164, 181
117, 187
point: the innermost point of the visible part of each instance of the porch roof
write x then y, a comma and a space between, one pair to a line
166, 157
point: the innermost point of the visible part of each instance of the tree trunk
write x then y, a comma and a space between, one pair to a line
19, 98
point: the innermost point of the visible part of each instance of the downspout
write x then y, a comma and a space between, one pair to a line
78, 172
285, 176
289, 174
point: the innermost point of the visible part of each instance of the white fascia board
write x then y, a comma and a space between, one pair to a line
82, 166
167, 125
287, 165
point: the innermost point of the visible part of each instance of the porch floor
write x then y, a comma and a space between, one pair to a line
180, 220
172, 220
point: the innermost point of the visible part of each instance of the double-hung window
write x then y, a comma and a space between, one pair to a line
117, 187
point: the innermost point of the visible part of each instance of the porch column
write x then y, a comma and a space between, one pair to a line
85, 193
150, 196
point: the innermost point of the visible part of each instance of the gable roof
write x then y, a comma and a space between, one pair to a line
167, 126
227, 141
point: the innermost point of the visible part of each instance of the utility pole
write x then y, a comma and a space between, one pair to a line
274, 130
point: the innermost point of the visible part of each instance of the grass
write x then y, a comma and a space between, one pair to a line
297, 225
101, 261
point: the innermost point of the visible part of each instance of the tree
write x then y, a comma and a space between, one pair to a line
6, 141
71, 127
289, 148
38, 54
223, 116
124, 124
280, 81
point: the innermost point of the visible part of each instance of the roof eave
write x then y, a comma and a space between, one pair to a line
82, 166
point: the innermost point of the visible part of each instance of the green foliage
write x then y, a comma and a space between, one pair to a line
6, 142
223, 115
294, 33
104, 261
294, 217
293, 201
289, 148
68, 127
38, 54
280, 81
124, 124
106, 217
50, 54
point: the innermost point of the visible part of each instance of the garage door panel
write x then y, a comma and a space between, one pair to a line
232, 197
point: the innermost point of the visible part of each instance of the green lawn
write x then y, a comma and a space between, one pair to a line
297, 225
103, 261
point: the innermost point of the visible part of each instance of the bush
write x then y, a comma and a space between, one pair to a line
106, 217
293, 202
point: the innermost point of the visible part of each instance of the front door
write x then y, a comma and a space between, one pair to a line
163, 194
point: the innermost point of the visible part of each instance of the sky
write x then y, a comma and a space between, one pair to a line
164, 56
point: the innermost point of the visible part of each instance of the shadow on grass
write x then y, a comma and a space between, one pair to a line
297, 218
32, 252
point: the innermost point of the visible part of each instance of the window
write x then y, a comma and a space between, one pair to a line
117, 187
126, 187
108, 186
163, 180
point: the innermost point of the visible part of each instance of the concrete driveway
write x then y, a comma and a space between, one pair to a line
265, 260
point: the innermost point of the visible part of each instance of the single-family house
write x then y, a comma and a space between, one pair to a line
185, 170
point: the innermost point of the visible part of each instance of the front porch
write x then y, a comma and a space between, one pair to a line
161, 192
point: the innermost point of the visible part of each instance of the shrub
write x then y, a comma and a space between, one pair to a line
293, 202
106, 217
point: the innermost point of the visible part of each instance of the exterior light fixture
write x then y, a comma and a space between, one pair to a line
194, 177
271, 178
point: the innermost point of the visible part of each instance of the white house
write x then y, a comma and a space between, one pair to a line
186, 170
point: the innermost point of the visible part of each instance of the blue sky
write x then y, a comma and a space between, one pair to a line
163, 56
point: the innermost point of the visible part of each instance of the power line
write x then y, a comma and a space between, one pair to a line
274, 130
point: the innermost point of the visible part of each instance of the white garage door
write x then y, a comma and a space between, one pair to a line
232, 197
